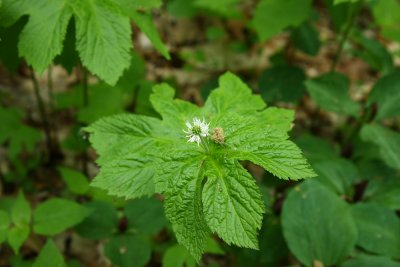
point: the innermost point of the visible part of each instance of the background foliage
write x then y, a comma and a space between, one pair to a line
331, 65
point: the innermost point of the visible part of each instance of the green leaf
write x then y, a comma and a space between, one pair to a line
274, 13
42, 37
56, 215
77, 182
9, 44
145, 23
336, 2
331, 92
128, 250
227, 8
387, 140
101, 222
49, 256
17, 236
145, 215
370, 261
282, 83
386, 94
103, 38
183, 208
384, 190
374, 53
21, 211
312, 217
387, 16
177, 256
20, 137
269, 148
337, 174
4, 225
232, 95
306, 38
175, 112
277, 118
379, 229
232, 203
11, 11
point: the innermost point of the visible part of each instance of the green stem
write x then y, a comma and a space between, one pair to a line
42, 111
204, 143
85, 85
345, 35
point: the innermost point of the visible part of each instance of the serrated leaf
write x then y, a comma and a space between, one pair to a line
269, 148
4, 225
331, 92
42, 37
278, 118
312, 217
183, 208
56, 215
103, 38
128, 250
175, 112
387, 140
232, 203
379, 233
49, 256
17, 236
274, 13
232, 95
386, 94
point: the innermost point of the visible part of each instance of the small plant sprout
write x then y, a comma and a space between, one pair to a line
197, 130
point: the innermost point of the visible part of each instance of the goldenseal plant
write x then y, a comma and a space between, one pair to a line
192, 157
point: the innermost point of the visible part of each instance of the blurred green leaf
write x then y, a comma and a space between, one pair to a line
337, 174
100, 223
370, 261
49, 256
387, 15
4, 225
56, 215
331, 92
9, 45
312, 217
386, 94
227, 8
282, 83
21, 211
387, 140
379, 229
273, 246
272, 16
306, 38
145, 215
384, 190
177, 256
17, 236
128, 250
76, 182
182, 8
20, 136
374, 53
316, 148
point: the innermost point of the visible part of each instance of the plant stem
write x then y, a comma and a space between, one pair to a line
85, 85
204, 144
345, 35
42, 111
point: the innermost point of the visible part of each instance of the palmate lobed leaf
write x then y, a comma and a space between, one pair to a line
204, 191
103, 31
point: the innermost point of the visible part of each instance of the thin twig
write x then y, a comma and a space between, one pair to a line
345, 35
42, 111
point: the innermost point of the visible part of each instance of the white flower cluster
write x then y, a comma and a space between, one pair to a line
196, 130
